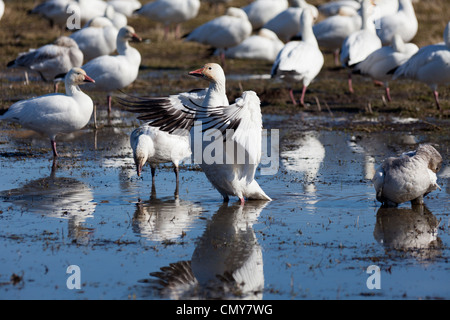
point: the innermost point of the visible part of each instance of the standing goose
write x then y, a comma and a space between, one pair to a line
409, 177
260, 12
113, 72
223, 32
50, 60
300, 60
403, 23
357, 46
55, 113
380, 62
430, 65
231, 172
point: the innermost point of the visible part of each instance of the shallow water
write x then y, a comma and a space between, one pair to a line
315, 240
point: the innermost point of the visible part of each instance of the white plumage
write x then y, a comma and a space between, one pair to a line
97, 38
223, 32
264, 45
113, 72
430, 65
259, 12
229, 171
379, 64
149, 144
126, 7
409, 177
403, 23
51, 60
56, 113
300, 60
170, 12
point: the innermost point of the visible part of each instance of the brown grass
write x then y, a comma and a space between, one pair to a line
171, 59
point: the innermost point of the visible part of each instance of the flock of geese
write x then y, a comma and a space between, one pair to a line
372, 40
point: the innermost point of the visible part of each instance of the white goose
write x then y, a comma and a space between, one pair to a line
264, 45
228, 173
409, 177
300, 60
50, 60
126, 7
113, 72
287, 23
332, 8
170, 12
259, 12
2, 8
430, 65
55, 11
380, 62
97, 38
332, 31
357, 46
155, 146
223, 32
403, 23
56, 113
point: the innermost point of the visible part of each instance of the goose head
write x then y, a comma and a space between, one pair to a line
432, 155
66, 42
77, 76
211, 72
127, 33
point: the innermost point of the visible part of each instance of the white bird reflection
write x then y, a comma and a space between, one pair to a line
164, 219
57, 197
306, 157
412, 230
227, 262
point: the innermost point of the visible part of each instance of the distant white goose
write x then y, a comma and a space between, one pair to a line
332, 8
409, 177
430, 65
2, 8
118, 19
380, 62
403, 23
230, 174
170, 12
357, 46
113, 72
53, 114
97, 38
264, 45
126, 7
286, 24
223, 32
259, 12
55, 11
90, 9
332, 31
155, 146
51, 60
300, 60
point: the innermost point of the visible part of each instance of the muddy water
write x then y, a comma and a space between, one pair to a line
129, 240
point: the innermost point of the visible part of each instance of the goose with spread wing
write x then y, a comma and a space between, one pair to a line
235, 131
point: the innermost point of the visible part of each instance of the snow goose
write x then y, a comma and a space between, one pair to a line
56, 113
118, 19
97, 38
357, 46
89, 9
430, 65
126, 7
333, 8
259, 12
403, 22
332, 31
409, 177
170, 12
287, 23
155, 146
51, 60
229, 172
55, 11
300, 60
265, 46
223, 32
113, 72
380, 62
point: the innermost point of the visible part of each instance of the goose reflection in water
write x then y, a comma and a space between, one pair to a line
411, 230
227, 262
164, 219
56, 197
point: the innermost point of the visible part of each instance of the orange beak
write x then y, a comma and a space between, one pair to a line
135, 37
88, 79
197, 73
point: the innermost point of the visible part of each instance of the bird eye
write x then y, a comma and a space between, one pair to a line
209, 68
